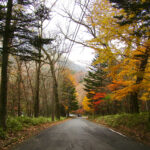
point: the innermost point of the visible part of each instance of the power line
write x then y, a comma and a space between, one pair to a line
75, 33
68, 30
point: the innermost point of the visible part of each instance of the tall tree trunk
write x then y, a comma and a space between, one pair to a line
19, 63
148, 109
32, 90
25, 96
55, 92
55, 86
45, 102
4, 78
52, 107
67, 114
37, 86
55, 89
134, 104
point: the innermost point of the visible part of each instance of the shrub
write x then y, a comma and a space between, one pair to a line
13, 124
128, 120
25, 120
2, 134
17, 123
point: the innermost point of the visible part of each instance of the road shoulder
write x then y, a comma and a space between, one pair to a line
25, 134
125, 131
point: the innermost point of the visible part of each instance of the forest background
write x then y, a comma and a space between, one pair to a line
35, 80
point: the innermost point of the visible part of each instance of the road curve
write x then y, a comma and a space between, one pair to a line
80, 134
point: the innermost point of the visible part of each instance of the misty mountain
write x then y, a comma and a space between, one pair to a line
75, 67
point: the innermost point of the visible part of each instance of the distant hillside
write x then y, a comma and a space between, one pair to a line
75, 67
78, 73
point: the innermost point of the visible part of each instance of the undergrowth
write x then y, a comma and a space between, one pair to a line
126, 120
15, 124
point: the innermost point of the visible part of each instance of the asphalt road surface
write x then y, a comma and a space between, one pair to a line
80, 134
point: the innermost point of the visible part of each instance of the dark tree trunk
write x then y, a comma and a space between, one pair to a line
26, 99
4, 78
53, 108
57, 107
67, 113
55, 92
148, 109
37, 86
45, 101
19, 98
19, 87
134, 105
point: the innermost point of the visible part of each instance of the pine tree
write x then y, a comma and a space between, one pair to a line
19, 34
4, 80
42, 13
95, 81
137, 11
69, 98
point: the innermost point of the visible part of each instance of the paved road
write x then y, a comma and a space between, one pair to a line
80, 134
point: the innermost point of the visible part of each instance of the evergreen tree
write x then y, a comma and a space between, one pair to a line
137, 11
18, 29
95, 81
68, 98
22, 29
42, 14
4, 79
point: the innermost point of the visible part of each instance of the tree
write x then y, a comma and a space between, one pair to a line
111, 34
86, 104
53, 54
129, 79
84, 7
68, 93
42, 14
10, 42
19, 82
6, 40
19, 36
136, 13
95, 83
95, 80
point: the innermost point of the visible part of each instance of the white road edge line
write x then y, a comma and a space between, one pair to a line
117, 132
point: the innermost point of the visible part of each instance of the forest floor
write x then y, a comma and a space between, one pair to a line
18, 136
135, 126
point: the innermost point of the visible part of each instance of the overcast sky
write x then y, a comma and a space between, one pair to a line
79, 54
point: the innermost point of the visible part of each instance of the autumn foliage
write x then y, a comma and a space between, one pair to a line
125, 48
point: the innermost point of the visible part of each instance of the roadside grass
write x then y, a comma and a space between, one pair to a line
22, 128
134, 125
128, 120
15, 124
